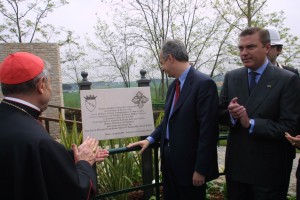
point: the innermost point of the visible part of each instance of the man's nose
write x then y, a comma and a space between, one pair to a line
243, 51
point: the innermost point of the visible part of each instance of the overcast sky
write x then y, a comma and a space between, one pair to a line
80, 16
291, 12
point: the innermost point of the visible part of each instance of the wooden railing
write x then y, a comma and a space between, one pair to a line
47, 120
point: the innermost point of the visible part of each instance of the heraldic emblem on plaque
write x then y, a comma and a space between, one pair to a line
90, 102
139, 99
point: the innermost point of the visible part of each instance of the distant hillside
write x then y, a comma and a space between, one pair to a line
73, 87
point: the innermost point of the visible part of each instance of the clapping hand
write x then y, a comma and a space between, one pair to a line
239, 112
89, 151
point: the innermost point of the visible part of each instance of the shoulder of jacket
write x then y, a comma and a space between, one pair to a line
237, 71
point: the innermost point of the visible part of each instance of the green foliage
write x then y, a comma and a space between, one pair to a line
159, 118
216, 190
291, 197
119, 171
67, 138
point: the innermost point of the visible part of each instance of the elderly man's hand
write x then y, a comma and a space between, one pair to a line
102, 154
87, 151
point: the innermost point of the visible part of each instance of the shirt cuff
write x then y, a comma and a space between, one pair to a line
150, 139
233, 121
252, 123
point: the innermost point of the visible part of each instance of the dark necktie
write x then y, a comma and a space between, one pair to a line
177, 91
252, 83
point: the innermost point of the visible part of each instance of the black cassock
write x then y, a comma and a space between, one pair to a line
33, 166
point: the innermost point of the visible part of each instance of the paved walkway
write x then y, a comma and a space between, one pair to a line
292, 189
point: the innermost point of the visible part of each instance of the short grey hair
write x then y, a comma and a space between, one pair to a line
176, 48
27, 87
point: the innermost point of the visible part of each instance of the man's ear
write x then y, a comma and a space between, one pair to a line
268, 48
171, 58
279, 50
41, 84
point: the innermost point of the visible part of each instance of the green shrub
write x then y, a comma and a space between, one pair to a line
216, 190
67, 138
119, 171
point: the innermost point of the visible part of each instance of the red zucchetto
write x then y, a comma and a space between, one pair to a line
20, 67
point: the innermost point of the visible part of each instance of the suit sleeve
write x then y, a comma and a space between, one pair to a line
224, 118
156, 135
64, 178
207, 117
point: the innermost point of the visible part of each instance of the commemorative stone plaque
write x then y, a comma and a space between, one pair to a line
116, 113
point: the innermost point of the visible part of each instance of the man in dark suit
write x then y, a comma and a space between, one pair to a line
259, 102
276, 49
188, 133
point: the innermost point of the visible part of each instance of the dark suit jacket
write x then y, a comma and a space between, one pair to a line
260, 158
291, 69
193, 128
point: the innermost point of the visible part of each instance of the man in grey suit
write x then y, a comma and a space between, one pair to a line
259, 102
188, 134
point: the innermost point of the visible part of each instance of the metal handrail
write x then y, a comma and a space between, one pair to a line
157, 184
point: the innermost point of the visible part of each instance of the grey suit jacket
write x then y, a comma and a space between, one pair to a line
261, 157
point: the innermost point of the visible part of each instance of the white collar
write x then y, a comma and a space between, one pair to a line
22, 102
